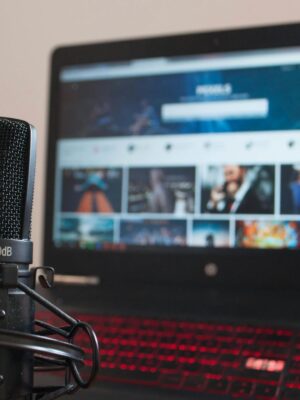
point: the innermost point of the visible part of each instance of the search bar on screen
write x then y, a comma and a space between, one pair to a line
229, 109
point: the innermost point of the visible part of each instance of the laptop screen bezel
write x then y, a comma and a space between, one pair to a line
172, 266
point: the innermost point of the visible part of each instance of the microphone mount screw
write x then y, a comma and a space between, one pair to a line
2, 315
1, 379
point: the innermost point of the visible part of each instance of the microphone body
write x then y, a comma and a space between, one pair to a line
17, 166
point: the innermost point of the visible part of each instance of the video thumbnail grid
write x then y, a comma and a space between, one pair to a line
250, 206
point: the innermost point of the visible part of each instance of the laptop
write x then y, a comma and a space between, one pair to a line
172, 210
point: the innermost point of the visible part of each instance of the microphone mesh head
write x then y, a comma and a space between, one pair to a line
14, 159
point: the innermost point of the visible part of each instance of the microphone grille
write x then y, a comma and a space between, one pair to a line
14, 160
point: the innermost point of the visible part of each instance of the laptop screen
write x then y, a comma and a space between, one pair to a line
194, 151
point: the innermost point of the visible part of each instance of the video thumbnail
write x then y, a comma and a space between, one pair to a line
290, 189
267, 234
69, 230
86, 231
238, 189
209, 233
161, 190
153, 232
93, 190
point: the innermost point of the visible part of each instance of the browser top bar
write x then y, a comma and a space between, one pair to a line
161, 66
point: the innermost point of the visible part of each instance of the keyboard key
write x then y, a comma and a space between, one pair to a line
291, 394
195, 381
190, 367
293, 380
212, 369
275, 352
228, 359
149, 362
274, 338
255, 376
110, 359
265, 391
187, 354
167, 339
229, 348
245, 335
165, 352
191, 341
207, 359
129, 360
241, 388
169, 365
170, 379
217, 385
127, 347
295, 366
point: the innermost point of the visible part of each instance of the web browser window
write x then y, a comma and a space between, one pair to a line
199, 151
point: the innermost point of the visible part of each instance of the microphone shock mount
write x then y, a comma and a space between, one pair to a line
50, 348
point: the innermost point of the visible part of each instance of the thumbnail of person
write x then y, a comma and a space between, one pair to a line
210, 233
161, 190
93, 190
86, 231
232, 189
153, 232
290, 189
146, 120
267, 234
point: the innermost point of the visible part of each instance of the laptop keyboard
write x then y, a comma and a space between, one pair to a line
241, 361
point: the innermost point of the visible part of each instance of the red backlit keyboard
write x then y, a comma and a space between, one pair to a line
242, 361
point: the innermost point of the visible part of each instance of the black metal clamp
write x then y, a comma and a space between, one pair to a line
51, 354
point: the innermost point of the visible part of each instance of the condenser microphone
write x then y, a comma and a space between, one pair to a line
17, 167
28, 345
